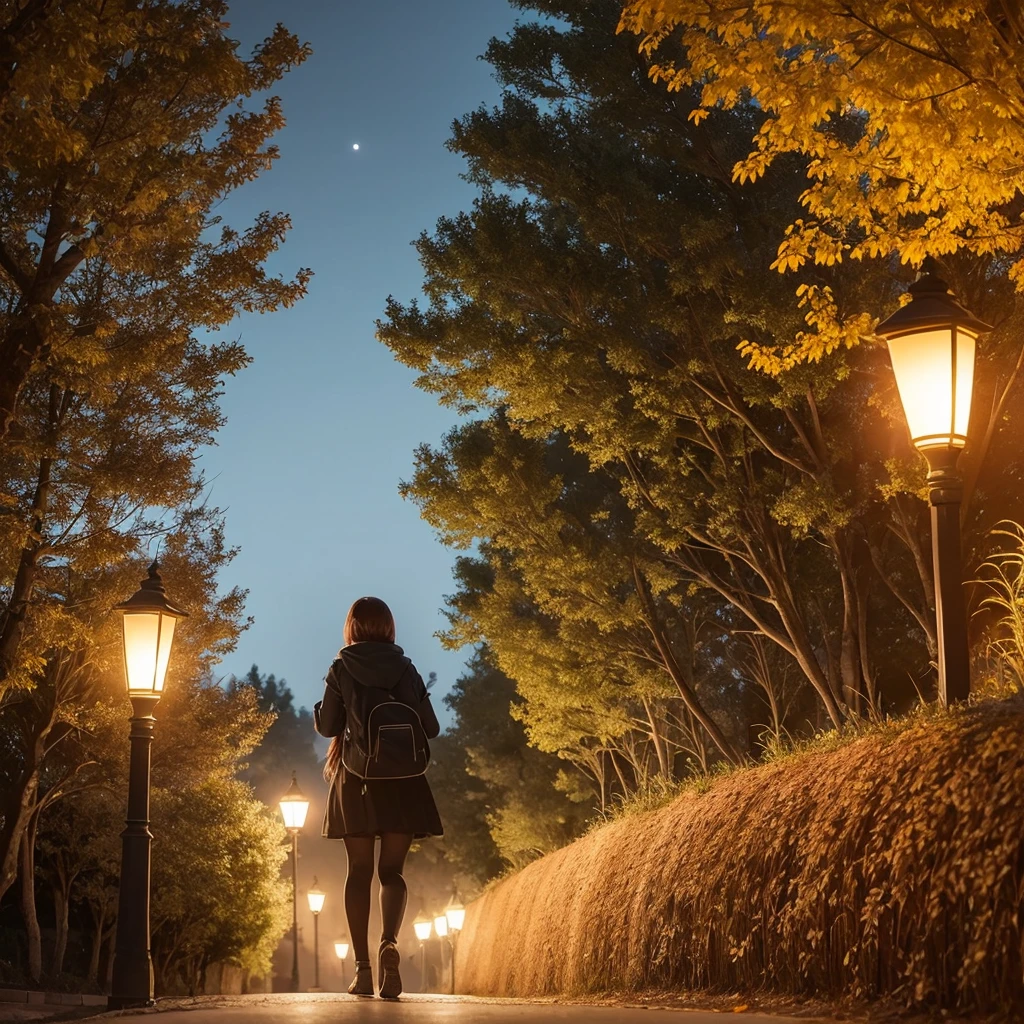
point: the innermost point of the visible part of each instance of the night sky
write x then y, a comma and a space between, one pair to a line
322, 427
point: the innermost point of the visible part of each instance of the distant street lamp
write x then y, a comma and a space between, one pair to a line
341, 951
293, 809
932, 344
316, 898
455, 916
423, 927
147, 627
441, 928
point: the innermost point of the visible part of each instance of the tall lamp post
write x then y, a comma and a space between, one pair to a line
423, 927
147, 623
316, 897
931, 344
341, 952
455, 915
293, 809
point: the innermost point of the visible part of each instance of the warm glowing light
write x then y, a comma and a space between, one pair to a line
147, 649
935, 376
316, 897
455, 915
294, 807
441, 925
422, 927
341, 950
931, 344
147, 623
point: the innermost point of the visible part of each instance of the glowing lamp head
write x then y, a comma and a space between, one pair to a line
147, 622
422, 927
294, 807
455, 915
931, 344
316, 897
341, 950
441, 925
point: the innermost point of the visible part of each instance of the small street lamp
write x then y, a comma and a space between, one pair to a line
147, 625
293, 810
455, 917
931, 344
341, 952
423, 927
316, 898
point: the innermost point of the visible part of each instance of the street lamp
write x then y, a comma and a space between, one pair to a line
931, 344
441, 929
423, 927
316, 899
147, 625
455, 917
341, 951
293, 809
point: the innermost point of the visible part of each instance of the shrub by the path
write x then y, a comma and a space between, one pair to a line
891, 865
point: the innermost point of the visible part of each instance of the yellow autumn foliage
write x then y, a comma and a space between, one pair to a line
891, 865
910, 117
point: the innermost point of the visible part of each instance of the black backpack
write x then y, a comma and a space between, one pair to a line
384, 737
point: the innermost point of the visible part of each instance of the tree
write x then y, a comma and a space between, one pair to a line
910, 117
48, 728
593, 300
288, 744
218, 895
496, 794
123, 125
111, 264
205, 733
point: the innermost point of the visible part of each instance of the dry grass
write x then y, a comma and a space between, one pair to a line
892, 865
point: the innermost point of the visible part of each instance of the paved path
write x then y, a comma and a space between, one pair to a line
328, 1008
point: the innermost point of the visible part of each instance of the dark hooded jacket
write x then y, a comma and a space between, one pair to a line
368, 807
372, 664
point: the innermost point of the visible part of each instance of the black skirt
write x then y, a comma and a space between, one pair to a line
370, 807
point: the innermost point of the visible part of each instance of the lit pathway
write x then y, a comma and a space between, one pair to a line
328, 1008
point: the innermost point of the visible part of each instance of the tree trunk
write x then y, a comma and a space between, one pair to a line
20, 349
61, 902
99, 919
28, 902
13, 621
657, 740
20, 805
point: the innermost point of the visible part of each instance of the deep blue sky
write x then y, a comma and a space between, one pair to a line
322, 427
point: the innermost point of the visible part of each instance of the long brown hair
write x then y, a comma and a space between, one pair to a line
368, 620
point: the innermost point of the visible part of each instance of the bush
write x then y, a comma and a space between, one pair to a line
892, 864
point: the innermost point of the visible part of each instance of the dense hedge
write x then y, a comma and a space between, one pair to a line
889, 865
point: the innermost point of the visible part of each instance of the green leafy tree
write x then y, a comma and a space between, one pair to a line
288, 745
218, 895
597, 293
496, 794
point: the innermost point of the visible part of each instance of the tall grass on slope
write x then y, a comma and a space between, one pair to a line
1003, 578
892, 865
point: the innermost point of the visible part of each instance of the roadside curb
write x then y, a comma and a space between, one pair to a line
33, 997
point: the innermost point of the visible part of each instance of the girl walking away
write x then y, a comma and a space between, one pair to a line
379, 717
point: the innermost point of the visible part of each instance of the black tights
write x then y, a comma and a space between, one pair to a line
394, 847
